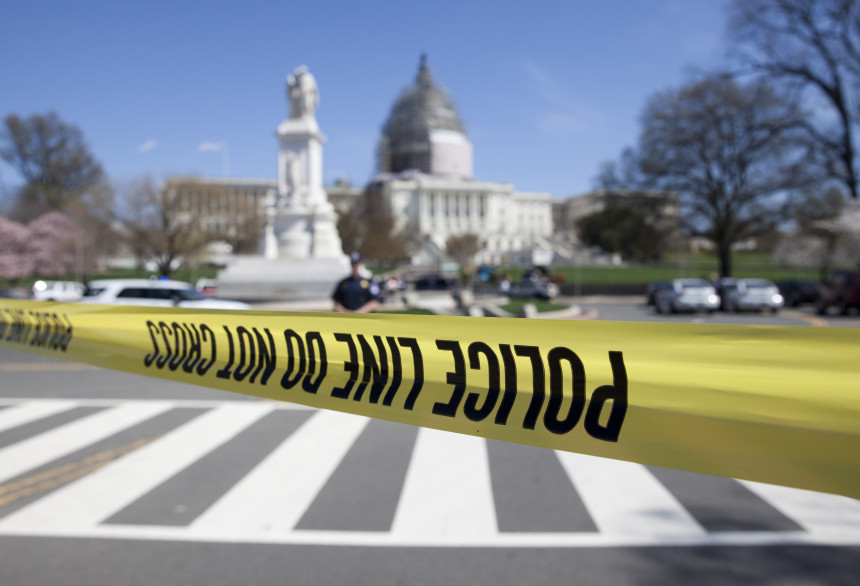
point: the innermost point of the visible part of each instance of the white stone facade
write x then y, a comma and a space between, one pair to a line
510, 225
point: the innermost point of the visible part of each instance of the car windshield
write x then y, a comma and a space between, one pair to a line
186, 294
694, 284
758, 284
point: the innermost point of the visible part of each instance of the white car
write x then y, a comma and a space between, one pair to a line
57, 291
687, 295
753, 295
154, 293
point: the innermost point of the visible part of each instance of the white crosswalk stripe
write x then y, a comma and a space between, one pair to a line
273, 496
93, 498
41, 449
816, 512
446, 498
625, 499
447, 489
32, 411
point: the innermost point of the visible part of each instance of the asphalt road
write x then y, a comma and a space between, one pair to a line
108, 478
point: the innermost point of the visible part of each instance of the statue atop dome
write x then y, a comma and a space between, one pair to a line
424, 77
302, 93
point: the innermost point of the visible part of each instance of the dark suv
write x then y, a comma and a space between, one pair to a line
841, 294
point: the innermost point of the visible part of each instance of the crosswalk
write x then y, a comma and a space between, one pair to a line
268, 472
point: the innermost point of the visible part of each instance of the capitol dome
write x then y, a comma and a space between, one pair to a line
424, 132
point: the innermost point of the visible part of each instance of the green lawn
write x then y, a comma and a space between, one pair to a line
704, 265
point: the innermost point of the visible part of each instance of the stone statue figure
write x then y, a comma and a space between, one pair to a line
293, 178
302, 93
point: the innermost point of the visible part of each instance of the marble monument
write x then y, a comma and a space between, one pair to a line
300, 253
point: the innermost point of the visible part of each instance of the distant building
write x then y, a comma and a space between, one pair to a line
512, 226
566, 212
229, 209
343, 196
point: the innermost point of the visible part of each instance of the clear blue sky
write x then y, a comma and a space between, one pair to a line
547, 90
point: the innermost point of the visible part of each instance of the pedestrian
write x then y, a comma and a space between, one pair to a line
356, 293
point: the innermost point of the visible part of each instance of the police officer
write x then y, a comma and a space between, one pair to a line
356, 293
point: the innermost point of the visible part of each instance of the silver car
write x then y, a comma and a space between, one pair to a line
62, 291
153, 293
530, 288
687, 295
752, 295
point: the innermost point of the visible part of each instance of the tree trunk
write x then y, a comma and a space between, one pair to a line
725, 256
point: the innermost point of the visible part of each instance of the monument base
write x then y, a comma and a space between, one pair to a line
254, 278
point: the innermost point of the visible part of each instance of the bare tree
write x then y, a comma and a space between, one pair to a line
727, 149
625, 174
811, 213
463, 248
158, 226
813, 48
349, 228
371, 228
52, 158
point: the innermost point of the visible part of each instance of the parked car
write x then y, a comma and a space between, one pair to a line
722, 286
11, 294
798, 292
155, 293
687, 295
57, 291
752, 295
532, 289
434, 283
652, 289
206, 286
841, 294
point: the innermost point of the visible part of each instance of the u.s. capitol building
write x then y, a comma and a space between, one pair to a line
425, 174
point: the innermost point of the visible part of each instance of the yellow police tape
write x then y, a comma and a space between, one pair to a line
773, 404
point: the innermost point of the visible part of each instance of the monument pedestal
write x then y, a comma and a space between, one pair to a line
294, 235
254, 278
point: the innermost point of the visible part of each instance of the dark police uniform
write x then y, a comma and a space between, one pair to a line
353, 292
